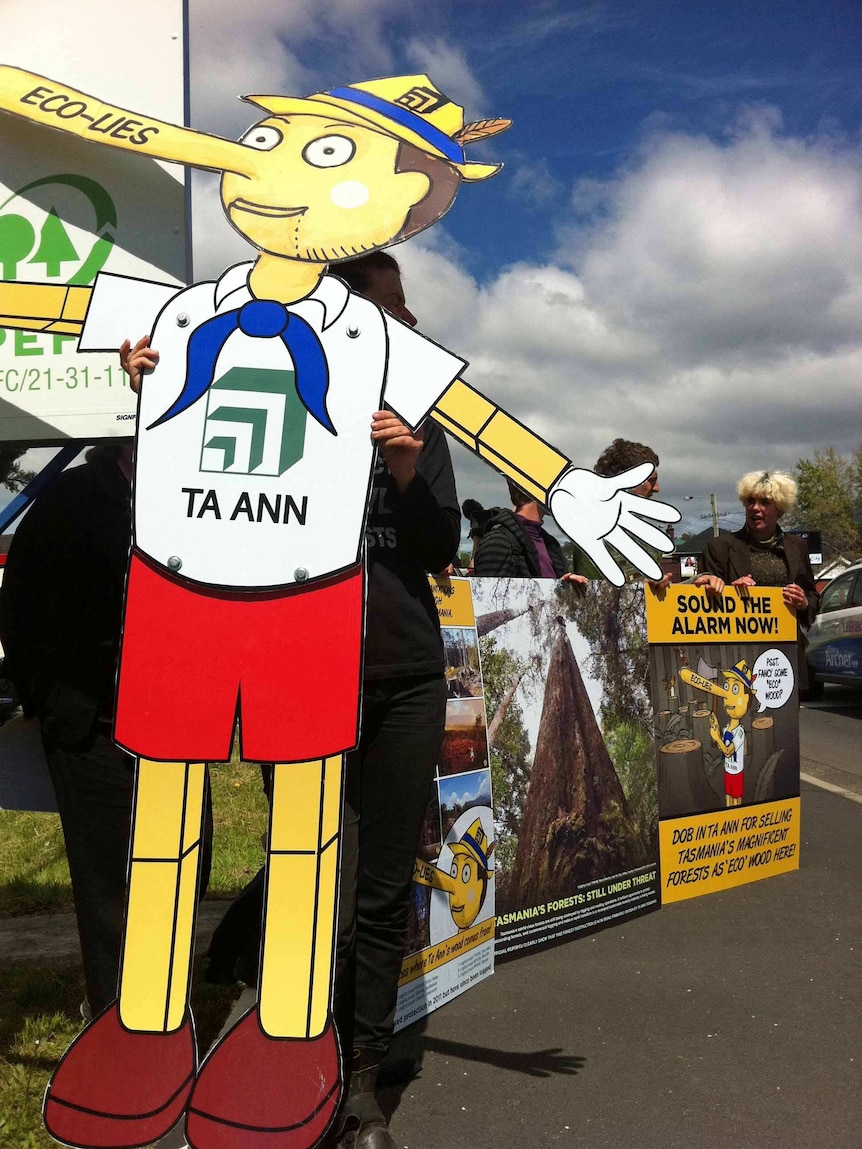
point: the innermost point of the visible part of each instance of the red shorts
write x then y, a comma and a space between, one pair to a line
734, 784
287, 663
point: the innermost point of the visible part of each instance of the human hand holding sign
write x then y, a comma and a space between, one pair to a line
138, 359
597, 512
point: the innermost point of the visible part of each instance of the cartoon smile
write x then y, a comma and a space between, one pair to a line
268, 210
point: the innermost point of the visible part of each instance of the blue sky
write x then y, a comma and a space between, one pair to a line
673, 250
587, 84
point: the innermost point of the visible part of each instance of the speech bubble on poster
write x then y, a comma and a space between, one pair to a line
774, 680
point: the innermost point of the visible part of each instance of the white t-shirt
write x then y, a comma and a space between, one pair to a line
733, 763
244, 488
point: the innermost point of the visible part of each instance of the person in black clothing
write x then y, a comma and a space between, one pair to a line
60, 612
513, 543
761, 554
413, 527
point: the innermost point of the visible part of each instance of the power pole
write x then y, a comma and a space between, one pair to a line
714, 515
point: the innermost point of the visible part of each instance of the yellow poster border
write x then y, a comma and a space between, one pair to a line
686, 613
705, 853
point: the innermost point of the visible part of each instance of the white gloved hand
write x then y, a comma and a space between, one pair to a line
597, 512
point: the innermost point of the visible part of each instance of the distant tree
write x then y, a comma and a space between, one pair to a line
508, 741
12, 475
830, 486
632, 753
612, 621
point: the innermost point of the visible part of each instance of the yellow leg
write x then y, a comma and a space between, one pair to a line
163, 880
301, 896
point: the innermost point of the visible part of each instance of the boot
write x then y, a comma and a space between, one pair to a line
364, 1125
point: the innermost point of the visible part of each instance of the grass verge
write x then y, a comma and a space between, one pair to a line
39, 1006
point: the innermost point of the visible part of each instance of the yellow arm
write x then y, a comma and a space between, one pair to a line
44, 307
56, 105
497, 437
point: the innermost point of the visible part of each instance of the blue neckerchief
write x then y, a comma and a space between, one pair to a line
260, 319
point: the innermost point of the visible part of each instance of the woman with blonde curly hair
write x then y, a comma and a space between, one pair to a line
761, 554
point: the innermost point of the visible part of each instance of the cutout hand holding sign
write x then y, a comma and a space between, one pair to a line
245, 589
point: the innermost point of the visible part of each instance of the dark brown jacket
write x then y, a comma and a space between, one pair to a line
729, 557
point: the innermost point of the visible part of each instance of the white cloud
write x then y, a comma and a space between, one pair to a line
710, 308
305, 46
747, 249
447, 65
533, 181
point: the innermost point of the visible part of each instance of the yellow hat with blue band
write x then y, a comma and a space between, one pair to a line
410, 108
474, 842
740, 670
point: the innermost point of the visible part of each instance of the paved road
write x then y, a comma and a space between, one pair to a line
830, 738
726, 1022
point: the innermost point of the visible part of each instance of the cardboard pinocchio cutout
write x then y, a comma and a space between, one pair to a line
245, 588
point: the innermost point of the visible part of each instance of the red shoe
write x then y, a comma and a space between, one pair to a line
116, 1089
261, 1092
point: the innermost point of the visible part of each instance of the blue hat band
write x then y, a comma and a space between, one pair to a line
405, 119
477, 849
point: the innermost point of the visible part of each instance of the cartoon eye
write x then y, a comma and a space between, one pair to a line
329, 151
466, 873
454, 870
263, 139
736, 688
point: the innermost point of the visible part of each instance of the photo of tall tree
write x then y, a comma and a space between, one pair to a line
566, 680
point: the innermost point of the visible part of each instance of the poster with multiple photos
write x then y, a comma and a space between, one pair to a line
548, 763
450, 942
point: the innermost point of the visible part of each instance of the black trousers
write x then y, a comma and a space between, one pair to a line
387, 788
94, 782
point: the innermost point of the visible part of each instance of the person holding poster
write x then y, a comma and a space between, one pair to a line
761, 554
618, 457
60, 612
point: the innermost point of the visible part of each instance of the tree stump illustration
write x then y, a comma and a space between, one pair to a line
681, 778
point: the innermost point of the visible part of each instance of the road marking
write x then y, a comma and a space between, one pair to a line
810, 778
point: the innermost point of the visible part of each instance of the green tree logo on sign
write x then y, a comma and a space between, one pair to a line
23, 246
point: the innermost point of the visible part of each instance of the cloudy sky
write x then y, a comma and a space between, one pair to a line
673, 250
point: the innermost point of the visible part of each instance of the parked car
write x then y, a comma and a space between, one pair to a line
835, 639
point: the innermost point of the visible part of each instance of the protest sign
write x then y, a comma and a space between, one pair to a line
723, 681
450, 943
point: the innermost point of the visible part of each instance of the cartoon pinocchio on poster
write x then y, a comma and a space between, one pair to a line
245, 587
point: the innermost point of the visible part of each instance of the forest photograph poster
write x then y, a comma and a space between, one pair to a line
569, 735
